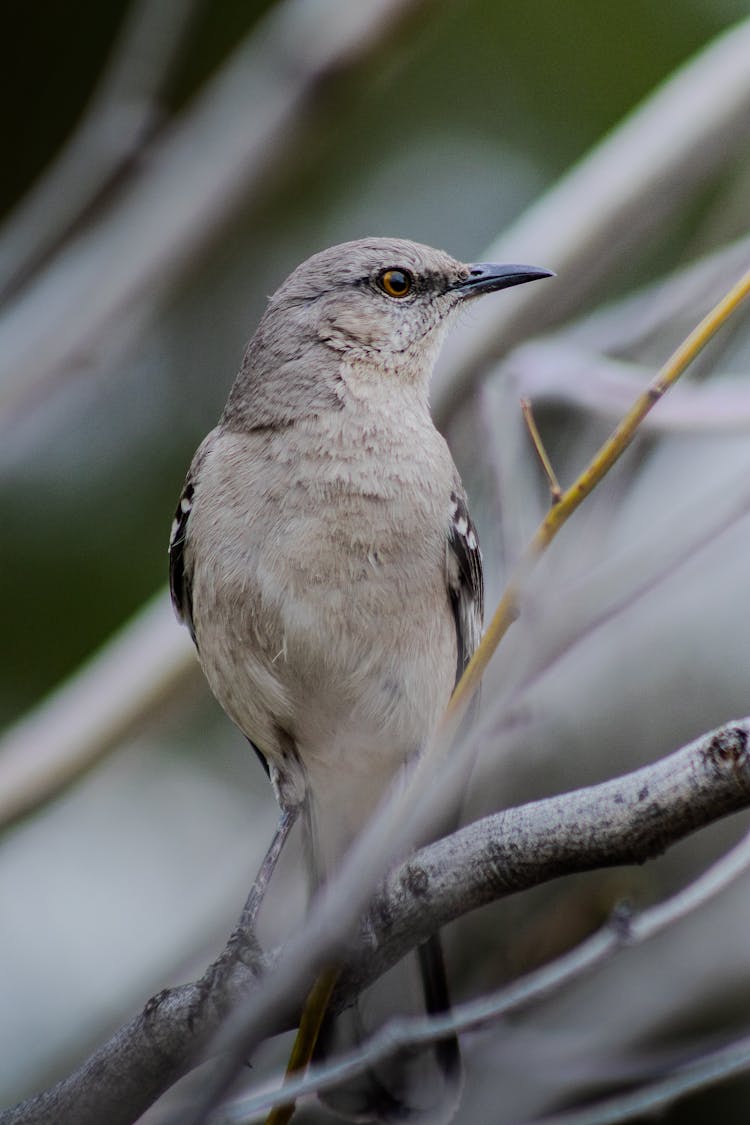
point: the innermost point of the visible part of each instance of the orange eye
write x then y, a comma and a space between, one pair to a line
396, 283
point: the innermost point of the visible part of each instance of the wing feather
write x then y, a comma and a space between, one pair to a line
465, 580
180, 579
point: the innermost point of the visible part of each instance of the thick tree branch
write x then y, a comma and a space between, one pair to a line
72, 736
628, 820
624, 929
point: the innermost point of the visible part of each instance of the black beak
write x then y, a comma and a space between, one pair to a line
486, 277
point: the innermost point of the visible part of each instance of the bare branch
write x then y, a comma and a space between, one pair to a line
627, 820
589, 222
687, 293
90, 713
174, 204
655, 1097
554, 371
624, 930
124, 111
541, 452
570, 500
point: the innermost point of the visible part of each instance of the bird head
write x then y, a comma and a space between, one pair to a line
387, 299
364, 314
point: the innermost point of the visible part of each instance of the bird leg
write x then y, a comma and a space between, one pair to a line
243, 937
258, 890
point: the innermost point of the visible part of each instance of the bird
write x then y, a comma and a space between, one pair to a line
325, 562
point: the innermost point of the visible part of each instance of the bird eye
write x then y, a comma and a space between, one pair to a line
396, 283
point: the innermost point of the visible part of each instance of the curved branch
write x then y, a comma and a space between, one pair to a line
122, 115
627, 820
623, 929
589, 222
655, 1097
91, 712
167, 213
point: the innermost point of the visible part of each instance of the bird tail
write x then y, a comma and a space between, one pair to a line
417, 1085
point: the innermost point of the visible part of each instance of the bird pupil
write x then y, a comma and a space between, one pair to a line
396, 283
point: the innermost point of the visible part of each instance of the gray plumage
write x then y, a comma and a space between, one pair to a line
322, 555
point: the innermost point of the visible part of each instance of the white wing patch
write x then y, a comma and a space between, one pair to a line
465, 580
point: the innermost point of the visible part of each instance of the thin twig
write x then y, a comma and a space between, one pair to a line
624, 930
627, 820
654, 1097
308, 1032
541, 452
573, 497
635, 182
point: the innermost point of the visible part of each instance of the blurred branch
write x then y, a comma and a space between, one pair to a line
577, 365
416, 807
90, 713
247, 125
553, 370
571, 499
628, 820
652, 1099
589, 223
630, 324
127, 712
624, 931
689, 530
684, 294
124, 111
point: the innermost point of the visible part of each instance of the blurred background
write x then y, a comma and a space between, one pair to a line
165, 166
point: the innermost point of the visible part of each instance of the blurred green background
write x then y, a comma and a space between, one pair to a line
449, 137
470, 113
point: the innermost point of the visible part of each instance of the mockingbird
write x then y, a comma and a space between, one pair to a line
325, 562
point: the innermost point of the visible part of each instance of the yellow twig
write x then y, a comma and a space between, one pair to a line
308, 1031
507, 610
559, 513
541, 452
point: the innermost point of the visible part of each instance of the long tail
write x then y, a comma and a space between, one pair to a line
437, 1001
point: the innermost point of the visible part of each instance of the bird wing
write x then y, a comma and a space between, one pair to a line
465, 580
180, 576
180, 586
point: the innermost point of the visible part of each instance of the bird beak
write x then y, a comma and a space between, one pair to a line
486, 277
